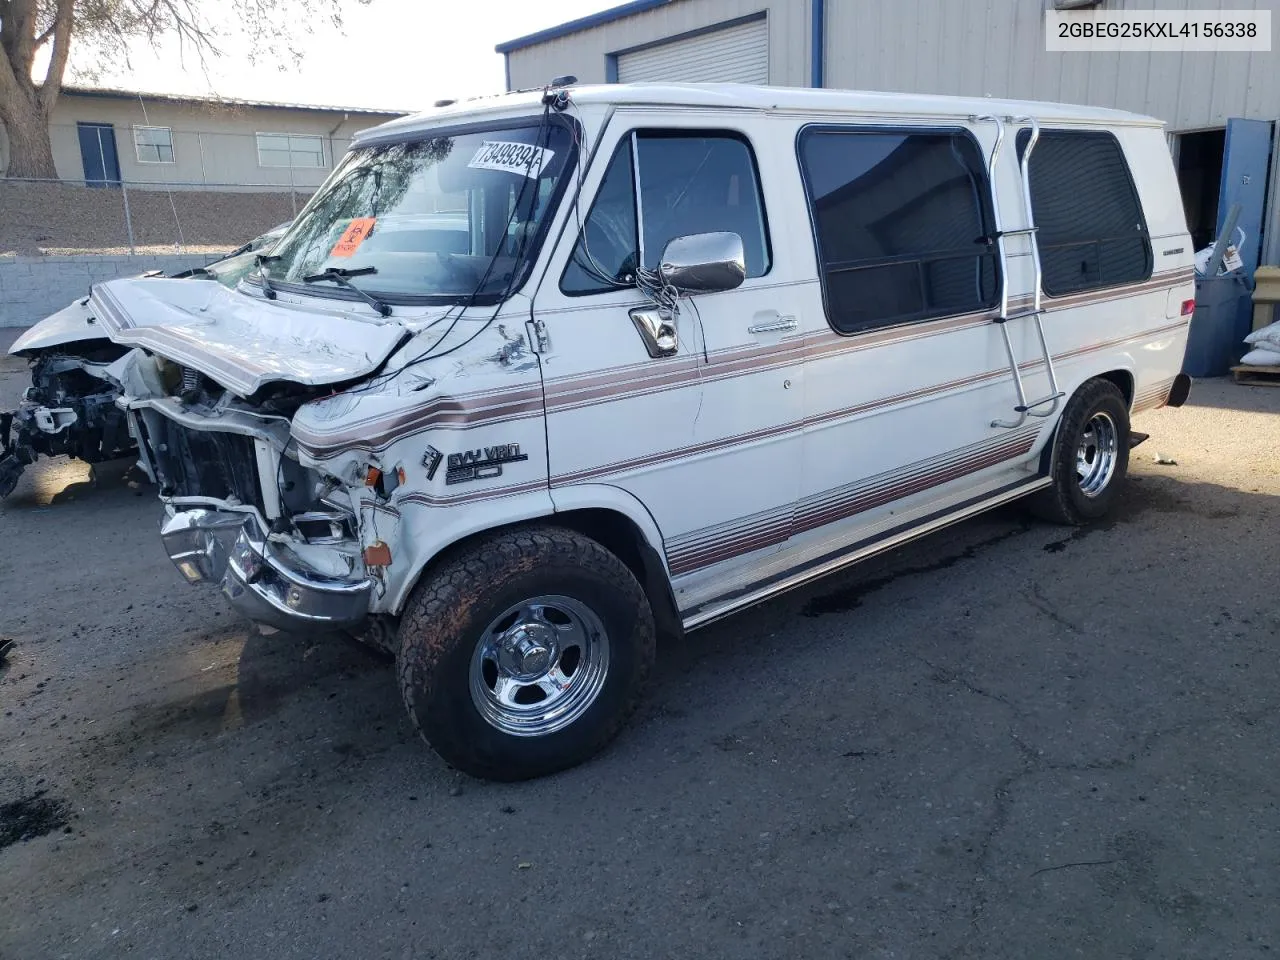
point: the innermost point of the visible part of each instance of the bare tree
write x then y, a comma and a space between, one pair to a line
102, 32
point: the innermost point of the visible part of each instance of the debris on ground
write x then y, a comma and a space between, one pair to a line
31, 817
1165, 460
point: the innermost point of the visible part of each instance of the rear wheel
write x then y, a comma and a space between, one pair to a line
525, 653
1090, 456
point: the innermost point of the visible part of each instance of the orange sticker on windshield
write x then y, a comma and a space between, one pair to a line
355, 234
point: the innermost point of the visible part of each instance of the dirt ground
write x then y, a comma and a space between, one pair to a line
1007, 740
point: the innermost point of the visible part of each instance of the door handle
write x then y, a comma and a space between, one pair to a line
779, 325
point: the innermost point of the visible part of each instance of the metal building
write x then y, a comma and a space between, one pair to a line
1221, 108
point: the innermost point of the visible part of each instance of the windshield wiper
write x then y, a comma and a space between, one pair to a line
261, 259
340, 275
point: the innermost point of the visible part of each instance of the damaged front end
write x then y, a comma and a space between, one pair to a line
279, 539
69, 409
260, 573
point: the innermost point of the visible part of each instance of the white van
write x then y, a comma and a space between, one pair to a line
535, 377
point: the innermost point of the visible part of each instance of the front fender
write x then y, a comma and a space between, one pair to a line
443, 525
433, 526
74, 323
602, 496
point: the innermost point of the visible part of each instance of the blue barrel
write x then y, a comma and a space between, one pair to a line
1221, 322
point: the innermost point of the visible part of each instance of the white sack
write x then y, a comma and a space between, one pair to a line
1262, 358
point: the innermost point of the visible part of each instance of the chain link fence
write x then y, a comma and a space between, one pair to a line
154, 190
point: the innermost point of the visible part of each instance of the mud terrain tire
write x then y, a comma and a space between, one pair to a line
458, 611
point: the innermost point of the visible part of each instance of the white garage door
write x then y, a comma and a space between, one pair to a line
738, 54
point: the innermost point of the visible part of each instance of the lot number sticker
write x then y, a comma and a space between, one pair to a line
355, 234
521, 158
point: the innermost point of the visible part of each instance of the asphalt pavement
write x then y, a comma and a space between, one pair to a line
1007, 740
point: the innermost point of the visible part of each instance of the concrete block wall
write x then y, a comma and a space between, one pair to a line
31, 288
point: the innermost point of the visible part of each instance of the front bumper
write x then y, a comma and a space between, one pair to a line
261, 579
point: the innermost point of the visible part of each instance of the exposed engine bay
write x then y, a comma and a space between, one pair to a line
69, 409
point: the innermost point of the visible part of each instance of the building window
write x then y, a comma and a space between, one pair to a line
903, 225
290, 150
1092, 233
688, 183
153, 144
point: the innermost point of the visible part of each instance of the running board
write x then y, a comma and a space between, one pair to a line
821, 566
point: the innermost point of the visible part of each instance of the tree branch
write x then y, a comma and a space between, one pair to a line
19, 27
44, 37
10, 87
64, 21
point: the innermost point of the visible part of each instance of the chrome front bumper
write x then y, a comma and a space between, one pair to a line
258, 577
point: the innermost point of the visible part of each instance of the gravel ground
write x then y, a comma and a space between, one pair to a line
63, 218
1007, 740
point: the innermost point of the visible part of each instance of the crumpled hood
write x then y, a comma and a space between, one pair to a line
240, 341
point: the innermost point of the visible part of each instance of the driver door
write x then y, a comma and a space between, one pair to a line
705, 435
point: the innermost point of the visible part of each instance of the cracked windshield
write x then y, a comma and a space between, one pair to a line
445, 218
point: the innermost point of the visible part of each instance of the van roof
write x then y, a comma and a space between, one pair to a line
738, 96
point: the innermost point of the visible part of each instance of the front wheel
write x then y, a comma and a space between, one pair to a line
1090, 456
525, 653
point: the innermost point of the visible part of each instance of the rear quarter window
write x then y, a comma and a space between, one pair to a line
1092, 233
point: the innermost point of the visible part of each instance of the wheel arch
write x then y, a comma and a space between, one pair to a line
612, 517
1121, 378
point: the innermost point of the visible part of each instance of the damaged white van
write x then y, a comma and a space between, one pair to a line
536, 377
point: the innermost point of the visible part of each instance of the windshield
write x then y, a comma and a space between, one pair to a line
231, 270
450, 218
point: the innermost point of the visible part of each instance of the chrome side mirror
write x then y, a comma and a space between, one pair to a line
703, 263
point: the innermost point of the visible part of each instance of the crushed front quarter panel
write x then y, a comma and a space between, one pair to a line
458, 439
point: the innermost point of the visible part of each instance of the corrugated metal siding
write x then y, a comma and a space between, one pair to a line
737, 54
997, 49
585, 54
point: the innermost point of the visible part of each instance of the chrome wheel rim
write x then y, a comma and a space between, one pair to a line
539, 666
1096, 454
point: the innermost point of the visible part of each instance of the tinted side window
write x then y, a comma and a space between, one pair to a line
689, 183
700, 185
903, 224
605, 255
1092, 233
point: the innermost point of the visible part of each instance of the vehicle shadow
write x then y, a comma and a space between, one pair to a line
1007, 552
984, 581
985, 567
262, 675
